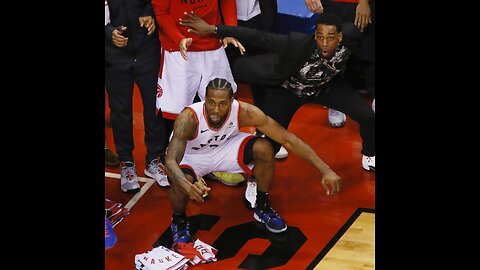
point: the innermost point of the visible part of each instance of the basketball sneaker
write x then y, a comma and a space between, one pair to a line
111, 160
251, 192
128, 177
181, 236
229, 179
336, 118
156, 170
110, 237
282, 153
368, 163
270, 218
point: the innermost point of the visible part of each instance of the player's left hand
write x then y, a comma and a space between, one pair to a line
331, 182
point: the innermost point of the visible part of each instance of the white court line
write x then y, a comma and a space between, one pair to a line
148, 183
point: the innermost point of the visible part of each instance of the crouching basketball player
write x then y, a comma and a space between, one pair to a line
206, 138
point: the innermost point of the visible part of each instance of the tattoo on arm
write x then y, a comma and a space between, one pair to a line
184, 129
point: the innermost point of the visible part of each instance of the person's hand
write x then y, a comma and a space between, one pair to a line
331, 182
196, 191
117, 38
147, 22
314, 6
235, 43
197, 25
184, 44
363, 15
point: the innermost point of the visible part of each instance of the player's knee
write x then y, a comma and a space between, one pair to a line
263, 149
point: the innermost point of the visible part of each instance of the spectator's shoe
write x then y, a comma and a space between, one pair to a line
181, 236
111, 160
336, 118
373, 105
272, 220
251, 192
156, 170
229, 179
368, 163
282, 153
203, 183
110, 237
128, 178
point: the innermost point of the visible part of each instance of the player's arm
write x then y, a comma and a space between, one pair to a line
184, 129
253, 116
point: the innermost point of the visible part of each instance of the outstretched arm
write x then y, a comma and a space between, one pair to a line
253, 116
183, 130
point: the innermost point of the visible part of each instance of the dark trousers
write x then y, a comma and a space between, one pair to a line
264, 21
119, 81
340, 95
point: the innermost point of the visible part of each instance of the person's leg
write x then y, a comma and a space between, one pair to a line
146, 75
119, 86
341, 96
179, 201
281, 105
264, 164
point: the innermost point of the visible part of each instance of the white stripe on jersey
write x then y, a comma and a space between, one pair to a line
209, 138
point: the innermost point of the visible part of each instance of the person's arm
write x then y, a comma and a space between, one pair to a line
253, 116
166, 22
184, 129
148, 11
314, 6
228, 8
363, 15
266, 40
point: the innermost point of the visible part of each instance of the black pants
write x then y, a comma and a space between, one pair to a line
341, 96
265, 21
119, 81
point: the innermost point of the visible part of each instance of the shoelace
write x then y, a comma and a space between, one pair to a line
157, 167
129, 173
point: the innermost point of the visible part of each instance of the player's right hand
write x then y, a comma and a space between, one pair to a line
196, 192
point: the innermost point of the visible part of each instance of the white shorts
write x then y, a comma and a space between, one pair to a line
227, 159
180, 80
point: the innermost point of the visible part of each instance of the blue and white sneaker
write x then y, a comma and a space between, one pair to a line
272, 220
180, 235
110, 237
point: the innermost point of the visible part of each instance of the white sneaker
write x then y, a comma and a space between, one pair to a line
156, 170
373, 105
336, 118
282, 153
368, 163
128, 178
251, 192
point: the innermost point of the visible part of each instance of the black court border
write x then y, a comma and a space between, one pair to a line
337, 236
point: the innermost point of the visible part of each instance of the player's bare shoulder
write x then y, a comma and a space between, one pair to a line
251, 115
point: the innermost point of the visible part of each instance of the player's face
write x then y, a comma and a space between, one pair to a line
327, 38
217, 105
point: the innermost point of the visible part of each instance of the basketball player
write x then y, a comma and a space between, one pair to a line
206, 138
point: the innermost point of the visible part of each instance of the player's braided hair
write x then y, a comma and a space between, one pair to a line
219, 83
